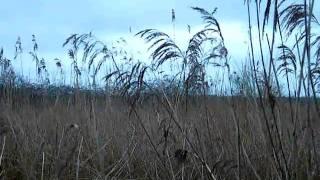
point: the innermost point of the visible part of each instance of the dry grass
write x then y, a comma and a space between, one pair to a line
264, 124
99, 139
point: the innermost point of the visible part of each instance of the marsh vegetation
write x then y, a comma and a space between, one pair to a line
182, 114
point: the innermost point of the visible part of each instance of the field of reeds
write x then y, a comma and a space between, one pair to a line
185, 115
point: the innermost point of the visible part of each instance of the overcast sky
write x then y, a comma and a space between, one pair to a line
52, 21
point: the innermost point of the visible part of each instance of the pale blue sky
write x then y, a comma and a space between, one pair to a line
52, 21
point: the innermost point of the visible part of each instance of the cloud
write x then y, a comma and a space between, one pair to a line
53, 21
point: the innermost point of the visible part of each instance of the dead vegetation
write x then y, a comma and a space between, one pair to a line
261, 122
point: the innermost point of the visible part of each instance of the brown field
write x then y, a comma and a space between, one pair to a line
103, 137
117, 116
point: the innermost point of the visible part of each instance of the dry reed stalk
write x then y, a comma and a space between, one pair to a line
2, 149
78, 160
250, 163
42, 167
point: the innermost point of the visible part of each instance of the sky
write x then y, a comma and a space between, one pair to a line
52, 21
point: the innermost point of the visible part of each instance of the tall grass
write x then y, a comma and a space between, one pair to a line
143, 125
